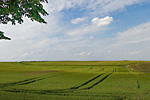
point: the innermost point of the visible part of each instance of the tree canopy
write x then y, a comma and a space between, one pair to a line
14, 10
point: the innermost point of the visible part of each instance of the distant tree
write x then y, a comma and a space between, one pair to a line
14, 10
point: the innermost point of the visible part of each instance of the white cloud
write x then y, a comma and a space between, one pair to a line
91, 37
134, 53
103, 21
59, 5
69, 48
29, 38
83, 54
78, 20
132, 44
25, 54
96, 7
109, 6
109, 51
96, 26
134, 35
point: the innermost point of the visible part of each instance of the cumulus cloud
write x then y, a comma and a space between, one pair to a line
103, 21
83, 54
78, 20
96, 26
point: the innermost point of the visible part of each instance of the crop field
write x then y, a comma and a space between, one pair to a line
76, 80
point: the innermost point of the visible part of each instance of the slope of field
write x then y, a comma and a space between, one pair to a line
141, 67
100, 80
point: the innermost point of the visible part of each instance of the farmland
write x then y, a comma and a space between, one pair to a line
91, 80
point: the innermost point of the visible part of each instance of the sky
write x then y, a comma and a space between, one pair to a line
82, 30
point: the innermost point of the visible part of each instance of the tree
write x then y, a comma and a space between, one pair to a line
3, 37
14, 10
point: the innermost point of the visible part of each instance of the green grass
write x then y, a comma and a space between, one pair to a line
92, 80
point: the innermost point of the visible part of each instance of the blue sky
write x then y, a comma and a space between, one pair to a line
82, 30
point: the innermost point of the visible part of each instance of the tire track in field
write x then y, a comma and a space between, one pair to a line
36, 79
77, 87
114, 70
89, 69
28, 81
32, 80
61, 91
17, 83
138, 85
97, 82
51, 92
102, 69
73, 67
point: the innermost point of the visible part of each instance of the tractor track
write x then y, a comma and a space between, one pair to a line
57, 91
28, 81
98, 82
77, 87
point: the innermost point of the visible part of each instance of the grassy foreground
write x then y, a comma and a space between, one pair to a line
93, 80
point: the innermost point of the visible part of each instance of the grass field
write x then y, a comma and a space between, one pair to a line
93, 80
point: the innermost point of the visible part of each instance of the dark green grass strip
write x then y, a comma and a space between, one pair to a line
138, 84
102, 69
98, 82
16, 83
68, 93
73, 67
58, 93
114, 70
87, 82
28, 81
89, 69
32, 81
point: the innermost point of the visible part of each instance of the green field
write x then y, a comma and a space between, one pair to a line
92, 80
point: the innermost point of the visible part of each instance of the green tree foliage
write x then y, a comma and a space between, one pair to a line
14, 10
3, 37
